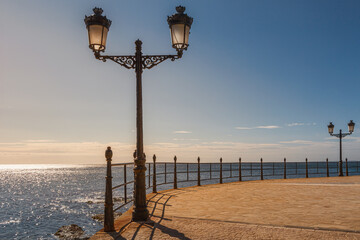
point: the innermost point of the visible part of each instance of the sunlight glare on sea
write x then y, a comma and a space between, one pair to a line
36, 200
43, 166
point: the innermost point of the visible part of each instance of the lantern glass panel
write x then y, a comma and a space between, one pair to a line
351, 127
97, 37
180, 36
331, 129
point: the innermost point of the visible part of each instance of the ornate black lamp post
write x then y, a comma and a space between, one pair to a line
341, 135
98, 27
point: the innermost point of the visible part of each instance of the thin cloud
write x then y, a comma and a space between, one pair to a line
40, 141
268, 127
297, 142
182, 132
185, 139
300, 124
258, 127
295, 124
93, 152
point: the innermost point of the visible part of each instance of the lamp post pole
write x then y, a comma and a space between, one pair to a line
340, 159
98, 27
341, 135
140, 212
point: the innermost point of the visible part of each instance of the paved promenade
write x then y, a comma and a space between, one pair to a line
313, 208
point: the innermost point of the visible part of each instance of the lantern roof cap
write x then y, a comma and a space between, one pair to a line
180, 17
97, 18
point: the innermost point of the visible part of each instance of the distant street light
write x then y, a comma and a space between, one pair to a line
341, 135
98, 27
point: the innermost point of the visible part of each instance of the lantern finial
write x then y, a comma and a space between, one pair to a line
180, 9
97, 11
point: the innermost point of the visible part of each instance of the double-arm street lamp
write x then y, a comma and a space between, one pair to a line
341, 135
98, 27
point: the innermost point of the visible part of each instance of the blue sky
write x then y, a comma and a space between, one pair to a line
260, 79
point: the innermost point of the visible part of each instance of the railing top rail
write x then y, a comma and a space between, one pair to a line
243, 162
121, 164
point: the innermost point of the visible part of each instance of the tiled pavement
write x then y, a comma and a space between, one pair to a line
313, 208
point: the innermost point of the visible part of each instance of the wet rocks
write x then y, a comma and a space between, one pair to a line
100, 217
71, 232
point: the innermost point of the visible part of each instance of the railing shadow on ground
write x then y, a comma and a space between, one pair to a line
168, 175
157, 205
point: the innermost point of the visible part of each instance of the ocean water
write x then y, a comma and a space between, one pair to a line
36, 200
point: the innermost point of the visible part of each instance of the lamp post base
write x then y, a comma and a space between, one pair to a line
341, 174
140, 215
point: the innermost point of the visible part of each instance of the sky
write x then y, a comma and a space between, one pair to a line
259, 79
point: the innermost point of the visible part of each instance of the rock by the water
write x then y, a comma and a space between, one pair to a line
73, 232
118, 199
100, 217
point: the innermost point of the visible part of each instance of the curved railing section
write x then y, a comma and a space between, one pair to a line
170, 175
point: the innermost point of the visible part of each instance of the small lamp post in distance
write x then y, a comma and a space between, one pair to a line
341, 135
98, 27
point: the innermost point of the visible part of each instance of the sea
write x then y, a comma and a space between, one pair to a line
36, 200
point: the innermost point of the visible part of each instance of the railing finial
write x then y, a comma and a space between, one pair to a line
108, 212
154, 174
175, 173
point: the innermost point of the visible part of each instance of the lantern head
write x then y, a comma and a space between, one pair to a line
351, 126
98, 27
180, 25
331, 128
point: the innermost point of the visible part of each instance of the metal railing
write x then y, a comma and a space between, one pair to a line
171, 174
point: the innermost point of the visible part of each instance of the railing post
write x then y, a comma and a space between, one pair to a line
284, 168
125, 185
165, 173
346, 166
327, 167
198, 159
221, 180
108, 213
230, 170
175, 176
273, 165
251, 169
154, 174
149, 174
187, 172
306, 168
210, 171
261, 169
240, 179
